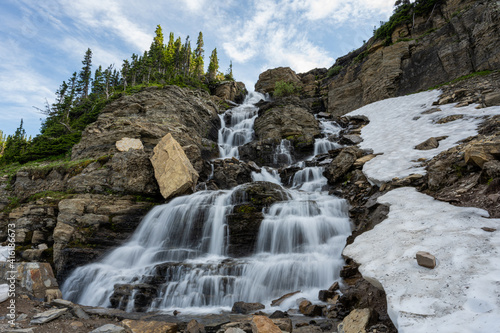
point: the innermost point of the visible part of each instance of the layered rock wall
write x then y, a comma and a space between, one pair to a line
458, 38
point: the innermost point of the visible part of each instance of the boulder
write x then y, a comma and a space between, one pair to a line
324, 295
482, 151
262, 324
341, 164
195, 327
284, 324
355, 322
230, 173
173, 170
268, 79
128, 143
280, 300
34, 277
428, 144
246, 308
309, 309
426, 259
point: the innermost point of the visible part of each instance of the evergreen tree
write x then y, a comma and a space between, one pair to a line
125, 73
198, 57
85, 75
3, 138
15, 145
213, 66
110, 78
98, 81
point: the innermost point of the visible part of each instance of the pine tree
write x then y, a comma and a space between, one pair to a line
213, 66
15, 145
85, 75
98, 81
108, 80
198, 56
125, 73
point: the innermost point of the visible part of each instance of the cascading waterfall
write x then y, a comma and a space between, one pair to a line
237, 126
181, 247
324, 144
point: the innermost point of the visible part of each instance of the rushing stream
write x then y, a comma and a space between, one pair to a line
185, 241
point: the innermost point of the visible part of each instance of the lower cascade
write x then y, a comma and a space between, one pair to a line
180, 255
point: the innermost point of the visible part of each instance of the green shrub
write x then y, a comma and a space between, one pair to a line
334, 71
282, 88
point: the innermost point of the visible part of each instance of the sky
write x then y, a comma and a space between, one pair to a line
43, 42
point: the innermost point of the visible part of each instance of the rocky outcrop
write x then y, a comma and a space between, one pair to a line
244, 222
89, 225
231, 91
189, 115
459, 38
173, 171
268, 79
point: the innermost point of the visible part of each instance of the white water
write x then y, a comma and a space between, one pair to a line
282, 154
324, 144
185, 241
237, 126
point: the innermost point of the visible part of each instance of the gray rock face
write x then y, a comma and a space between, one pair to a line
268, 79
231, 91
457, 45
189, 115
109, 328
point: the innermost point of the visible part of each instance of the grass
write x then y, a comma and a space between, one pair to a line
462, 78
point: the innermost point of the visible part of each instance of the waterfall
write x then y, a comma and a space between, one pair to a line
324, 144
237, 126
182, 247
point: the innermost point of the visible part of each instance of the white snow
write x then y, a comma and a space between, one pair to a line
397, 125
462, 293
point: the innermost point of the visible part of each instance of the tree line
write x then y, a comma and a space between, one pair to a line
80, 99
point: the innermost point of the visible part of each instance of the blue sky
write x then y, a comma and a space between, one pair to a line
42, 42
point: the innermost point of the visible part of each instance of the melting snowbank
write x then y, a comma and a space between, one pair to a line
398, 124
462, 294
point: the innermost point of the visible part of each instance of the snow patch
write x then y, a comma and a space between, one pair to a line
462, 294
398, 124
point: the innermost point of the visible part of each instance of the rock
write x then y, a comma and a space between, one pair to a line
142, 326
480, 152
362, 160
308, 329
234, 330
492, 98
278, 314
76, 325
52, 294
189, 115
231, 91
229, 173
79, 313
194, 327
341, 164
262, 324
351, 139
109, 328
268, 79
173, 170
284, 324
489, 229
492, 169
246, 308
426, 259
450, 118
334, 287
45, 317
324, 295
355, 322
127, 143
36, 278
18, 330
428, 144
280, 300
309, 309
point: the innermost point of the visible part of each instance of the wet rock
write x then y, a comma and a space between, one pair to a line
173, 170
426, 259
45, 317
309, 309
245, 219
262, 324
229, 173
278, 314
280, 300
334, 287
324, 295
350, 139
109, 328
142, 326
246, 308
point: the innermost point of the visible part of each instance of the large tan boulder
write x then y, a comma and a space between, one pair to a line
355, 322
173, 170
262, 324
141, 326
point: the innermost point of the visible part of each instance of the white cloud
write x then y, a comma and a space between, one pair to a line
195, 5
